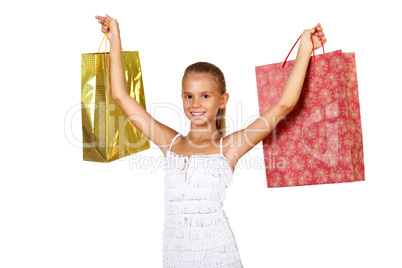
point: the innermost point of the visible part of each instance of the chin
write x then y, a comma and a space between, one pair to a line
198, 121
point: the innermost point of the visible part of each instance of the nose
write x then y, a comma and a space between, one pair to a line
196, 103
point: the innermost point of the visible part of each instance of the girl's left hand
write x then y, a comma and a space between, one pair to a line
306, 37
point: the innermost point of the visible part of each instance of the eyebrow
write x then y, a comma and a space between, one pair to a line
201, 92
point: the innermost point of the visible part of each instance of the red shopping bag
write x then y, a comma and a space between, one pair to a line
320, 141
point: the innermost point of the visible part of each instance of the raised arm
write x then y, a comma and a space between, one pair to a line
243, 140
157, 132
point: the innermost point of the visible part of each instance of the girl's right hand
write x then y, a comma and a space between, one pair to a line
113, 30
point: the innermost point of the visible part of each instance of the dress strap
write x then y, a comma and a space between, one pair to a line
220, 147
178, 134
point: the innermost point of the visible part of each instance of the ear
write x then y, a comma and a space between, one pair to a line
224, 99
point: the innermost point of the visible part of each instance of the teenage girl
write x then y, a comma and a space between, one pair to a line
201, 164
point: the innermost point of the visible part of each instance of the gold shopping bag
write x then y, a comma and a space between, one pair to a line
107, 133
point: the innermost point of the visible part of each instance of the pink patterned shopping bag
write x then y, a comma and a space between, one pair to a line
320, 141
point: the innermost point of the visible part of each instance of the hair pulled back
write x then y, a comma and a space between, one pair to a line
217, 76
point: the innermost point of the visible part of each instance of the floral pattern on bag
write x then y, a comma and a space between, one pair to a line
320, 141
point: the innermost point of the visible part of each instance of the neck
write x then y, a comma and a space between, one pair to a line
203, 134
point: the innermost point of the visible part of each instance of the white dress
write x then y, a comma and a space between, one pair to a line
196, 229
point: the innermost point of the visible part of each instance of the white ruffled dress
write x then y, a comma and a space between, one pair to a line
196, 229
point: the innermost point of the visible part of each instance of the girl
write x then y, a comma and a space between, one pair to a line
201, 164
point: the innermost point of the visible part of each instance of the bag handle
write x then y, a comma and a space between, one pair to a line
105, 35
322, 45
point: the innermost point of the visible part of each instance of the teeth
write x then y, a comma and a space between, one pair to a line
197, 113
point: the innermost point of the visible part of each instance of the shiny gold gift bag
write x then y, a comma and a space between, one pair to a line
107, 133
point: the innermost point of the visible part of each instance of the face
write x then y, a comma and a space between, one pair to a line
201, 99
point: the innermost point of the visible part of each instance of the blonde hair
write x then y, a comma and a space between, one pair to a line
217, 76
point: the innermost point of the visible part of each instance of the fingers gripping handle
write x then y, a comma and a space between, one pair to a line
322, 45
105, 35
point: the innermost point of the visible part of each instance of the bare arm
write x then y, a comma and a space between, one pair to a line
244, 140
157, 132
291, 92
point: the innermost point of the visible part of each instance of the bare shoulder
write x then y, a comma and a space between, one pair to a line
229, 145
166, 138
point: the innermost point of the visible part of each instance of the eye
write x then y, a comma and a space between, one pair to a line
205, 95
187, 97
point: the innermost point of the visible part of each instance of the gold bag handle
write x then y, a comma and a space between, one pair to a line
105, 35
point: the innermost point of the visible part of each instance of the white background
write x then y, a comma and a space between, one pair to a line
60, 211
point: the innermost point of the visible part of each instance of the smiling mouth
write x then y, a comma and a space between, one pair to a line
197, 114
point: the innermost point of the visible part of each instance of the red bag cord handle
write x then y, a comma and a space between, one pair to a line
322, 45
